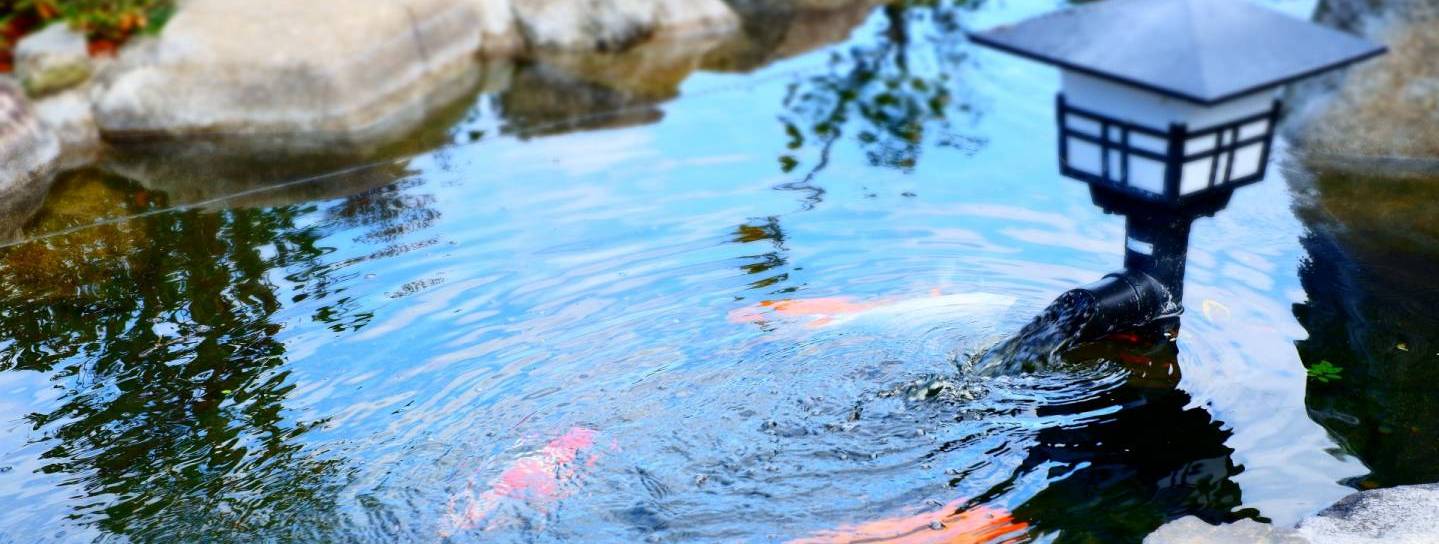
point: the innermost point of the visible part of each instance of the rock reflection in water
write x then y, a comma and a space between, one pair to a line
1373, 244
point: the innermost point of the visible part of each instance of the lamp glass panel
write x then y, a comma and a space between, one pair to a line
1146, 174
1084, 156
1198, 145
1252, 130
1195, 176
1246, 160
1148, 143
1082, 124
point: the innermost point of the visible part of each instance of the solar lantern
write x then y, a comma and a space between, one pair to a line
1166, 107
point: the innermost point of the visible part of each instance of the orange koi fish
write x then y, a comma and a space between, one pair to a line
978, 525
538, 479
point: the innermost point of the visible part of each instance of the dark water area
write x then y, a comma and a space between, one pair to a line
731, 295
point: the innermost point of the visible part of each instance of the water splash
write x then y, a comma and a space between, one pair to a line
1041, 342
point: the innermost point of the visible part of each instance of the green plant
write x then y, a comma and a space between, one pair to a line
106, 23
1324, 372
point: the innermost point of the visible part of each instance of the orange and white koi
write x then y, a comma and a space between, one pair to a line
828, 311
539, 480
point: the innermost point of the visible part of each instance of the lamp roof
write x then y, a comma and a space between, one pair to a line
1202, 51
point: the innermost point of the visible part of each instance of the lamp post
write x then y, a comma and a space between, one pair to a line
1167, 107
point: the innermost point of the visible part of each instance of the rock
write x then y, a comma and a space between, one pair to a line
499, 33
1400, 515
309, 73
52, 59
257, 172
28, 147
1192, 530
1386, 107
29, 152
68, 116
612, 25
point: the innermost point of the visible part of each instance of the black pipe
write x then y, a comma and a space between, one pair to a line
1158, 245
1124, 301
1149, 293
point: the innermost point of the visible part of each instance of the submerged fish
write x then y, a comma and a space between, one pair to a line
538, 480
976, 525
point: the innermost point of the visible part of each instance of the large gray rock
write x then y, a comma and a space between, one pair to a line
317, 71
611, 25
499, 34
1398, 515
258, 172
29, 152
1192, 530
52, 59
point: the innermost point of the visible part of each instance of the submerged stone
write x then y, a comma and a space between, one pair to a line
1192, 530
1404, 514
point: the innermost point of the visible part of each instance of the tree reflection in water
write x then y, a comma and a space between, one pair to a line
163, 333
889, 93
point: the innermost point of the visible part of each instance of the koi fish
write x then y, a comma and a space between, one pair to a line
828, 311
539, 479
978, 525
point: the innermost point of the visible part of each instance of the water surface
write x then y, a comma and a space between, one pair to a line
587, 281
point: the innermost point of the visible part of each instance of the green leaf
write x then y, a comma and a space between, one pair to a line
1324, 372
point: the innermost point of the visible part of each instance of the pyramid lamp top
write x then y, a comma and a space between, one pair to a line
1200, 51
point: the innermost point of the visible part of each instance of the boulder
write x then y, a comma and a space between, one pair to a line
307, 74
499, 35
30, 152
1399, 515
52, 59
68, 116
1192, 530
1386, 107
611, 25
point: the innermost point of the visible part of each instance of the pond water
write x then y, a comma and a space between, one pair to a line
743, 313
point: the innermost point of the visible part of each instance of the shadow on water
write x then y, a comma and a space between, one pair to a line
1373, 244
1138, 456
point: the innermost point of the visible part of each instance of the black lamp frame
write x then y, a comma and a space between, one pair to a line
1173, 159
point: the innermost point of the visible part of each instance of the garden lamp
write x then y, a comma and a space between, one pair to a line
1166, 107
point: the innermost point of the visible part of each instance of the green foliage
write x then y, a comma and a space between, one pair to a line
1324, 372
106, 23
